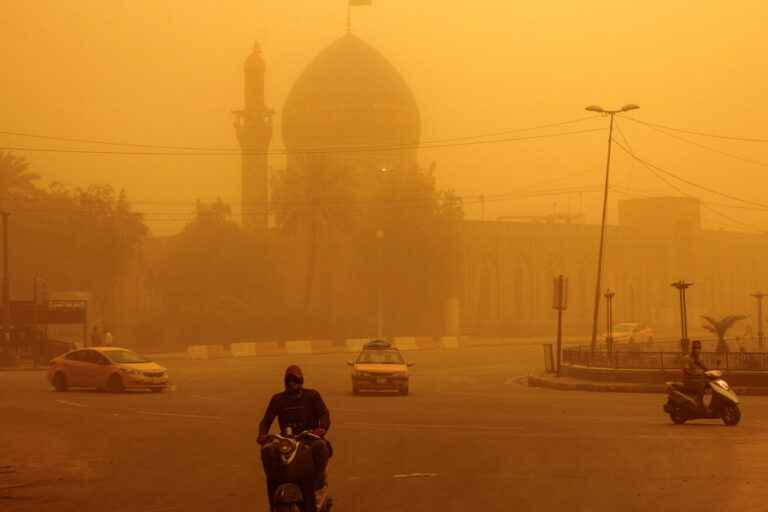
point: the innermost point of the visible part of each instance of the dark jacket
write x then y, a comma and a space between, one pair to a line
306, 411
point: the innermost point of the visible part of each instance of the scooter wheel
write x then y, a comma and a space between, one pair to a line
677, 417
731, 415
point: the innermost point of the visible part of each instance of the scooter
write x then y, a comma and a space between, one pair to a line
724, 404
295, 458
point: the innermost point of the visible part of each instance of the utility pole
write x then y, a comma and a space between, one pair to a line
6, 313
609, 295
682, 286
601, 251
760, 335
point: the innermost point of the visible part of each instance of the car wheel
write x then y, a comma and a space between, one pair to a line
115, 384
60, 382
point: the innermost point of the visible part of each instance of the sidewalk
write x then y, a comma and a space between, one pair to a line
570, 384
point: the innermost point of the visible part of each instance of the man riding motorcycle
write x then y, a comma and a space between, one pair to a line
302, 410
694, 379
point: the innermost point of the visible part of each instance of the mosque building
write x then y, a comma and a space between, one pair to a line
352, 105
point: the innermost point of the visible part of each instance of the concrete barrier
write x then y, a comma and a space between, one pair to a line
427, 343
205, 351
298, 347
324, 346
406, 343
246, 349
356, 344
449, 342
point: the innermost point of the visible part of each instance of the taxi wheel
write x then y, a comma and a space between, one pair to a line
115, 384
60, 382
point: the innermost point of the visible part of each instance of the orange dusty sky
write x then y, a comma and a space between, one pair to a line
169, 73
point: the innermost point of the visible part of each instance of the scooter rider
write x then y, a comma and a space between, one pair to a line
693, 374
300, 409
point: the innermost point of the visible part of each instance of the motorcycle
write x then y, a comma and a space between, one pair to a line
724, 404
295, 470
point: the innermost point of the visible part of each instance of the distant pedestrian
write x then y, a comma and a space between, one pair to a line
108, 339
96, 336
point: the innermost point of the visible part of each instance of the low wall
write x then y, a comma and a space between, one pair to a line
355, 345
205, 351
246, 349
298, 347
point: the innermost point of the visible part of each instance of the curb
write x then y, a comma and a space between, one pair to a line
605, 387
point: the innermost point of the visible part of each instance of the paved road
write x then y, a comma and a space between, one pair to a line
470, 437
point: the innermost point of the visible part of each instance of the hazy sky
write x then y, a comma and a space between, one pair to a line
169, 72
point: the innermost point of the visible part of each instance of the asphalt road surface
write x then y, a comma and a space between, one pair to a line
469, 437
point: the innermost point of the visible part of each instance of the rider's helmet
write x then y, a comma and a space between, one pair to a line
293, 374
696, 345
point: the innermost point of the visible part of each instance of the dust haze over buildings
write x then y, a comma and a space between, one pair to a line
170, 73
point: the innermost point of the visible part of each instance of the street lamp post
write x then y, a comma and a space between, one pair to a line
681, 287
379, 307
760, 335
611, 114
609, 295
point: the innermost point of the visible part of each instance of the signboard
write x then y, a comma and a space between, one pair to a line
560, 293
26, 312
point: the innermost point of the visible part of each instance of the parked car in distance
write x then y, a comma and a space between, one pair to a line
632, 332
111, 368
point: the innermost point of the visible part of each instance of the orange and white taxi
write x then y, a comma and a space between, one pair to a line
111, 368
380, 367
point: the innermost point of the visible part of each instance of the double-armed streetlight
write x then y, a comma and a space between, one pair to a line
611, 114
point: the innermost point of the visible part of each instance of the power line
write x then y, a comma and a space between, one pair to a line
692, 132
709, 148
237, 149
275, 206
689, 182
357, 149
656, 171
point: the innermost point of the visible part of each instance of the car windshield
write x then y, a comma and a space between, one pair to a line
126, 356
380, 357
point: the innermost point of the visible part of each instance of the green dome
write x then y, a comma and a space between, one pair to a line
350, 95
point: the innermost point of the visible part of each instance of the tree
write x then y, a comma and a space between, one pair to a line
216, 282
314, 198
15, 179
721, 328
420, 225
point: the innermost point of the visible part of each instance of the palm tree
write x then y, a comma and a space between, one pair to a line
15, 178
721, 327
313, 196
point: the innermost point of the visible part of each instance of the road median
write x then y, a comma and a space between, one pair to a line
570, 384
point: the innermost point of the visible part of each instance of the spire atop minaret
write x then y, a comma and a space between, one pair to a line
253, 126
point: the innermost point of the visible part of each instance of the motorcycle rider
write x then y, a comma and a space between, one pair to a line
301, 409
694, 380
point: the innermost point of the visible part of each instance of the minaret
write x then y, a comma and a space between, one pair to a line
254, 131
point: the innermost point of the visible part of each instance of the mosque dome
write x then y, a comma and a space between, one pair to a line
350, 95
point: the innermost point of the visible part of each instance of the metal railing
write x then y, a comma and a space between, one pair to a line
661, 360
